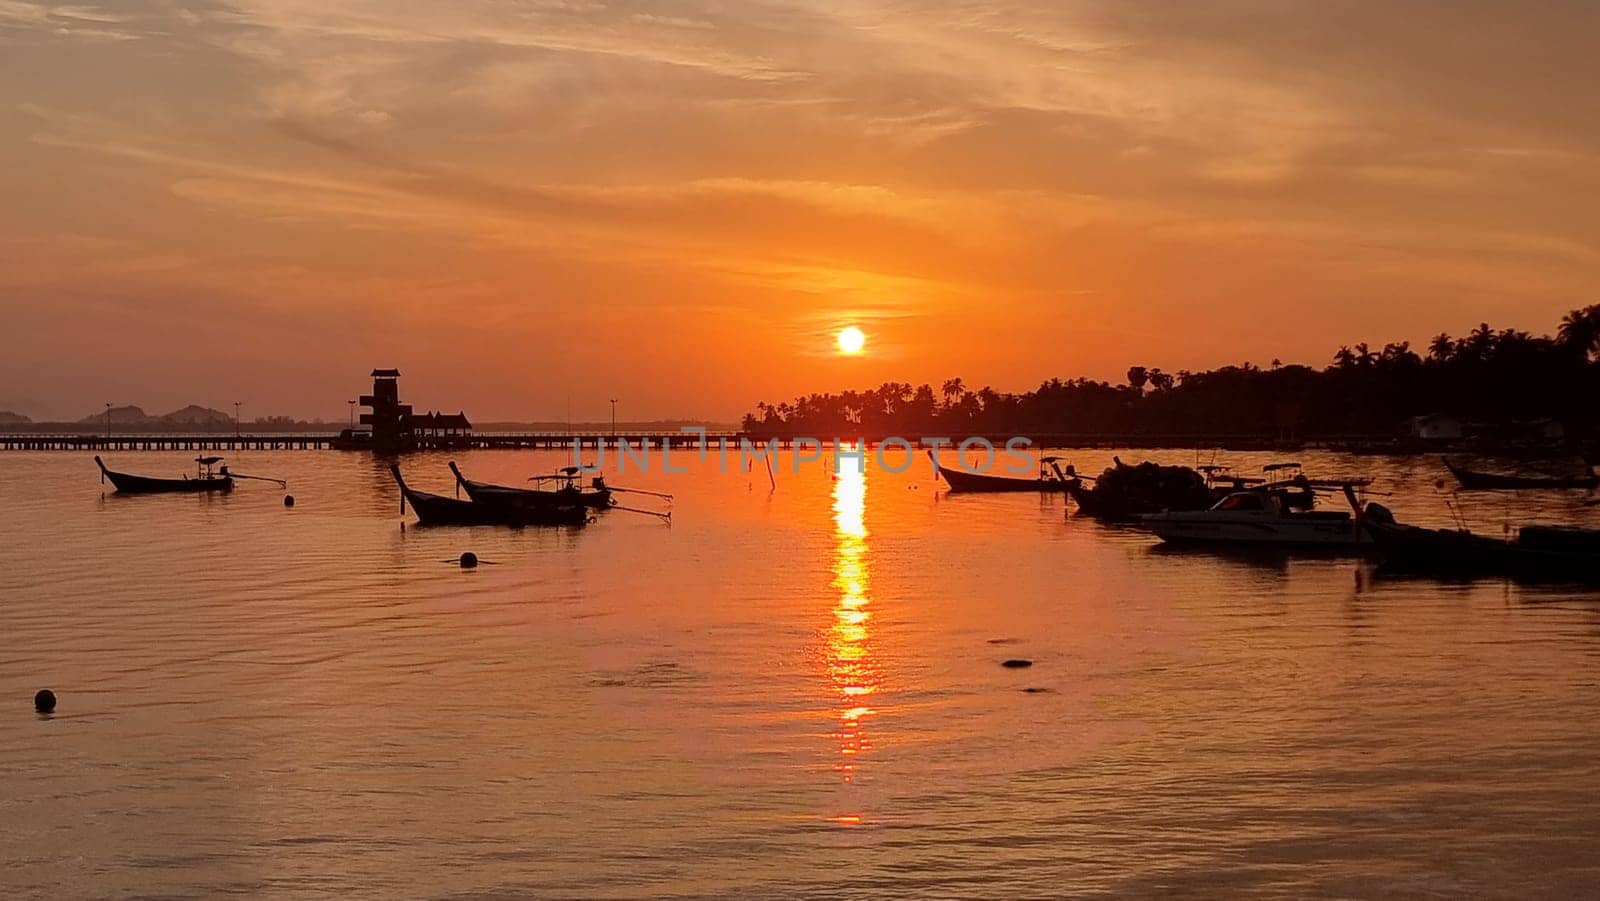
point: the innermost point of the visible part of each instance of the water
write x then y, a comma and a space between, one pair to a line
792, 693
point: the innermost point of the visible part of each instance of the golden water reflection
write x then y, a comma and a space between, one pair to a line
849, 648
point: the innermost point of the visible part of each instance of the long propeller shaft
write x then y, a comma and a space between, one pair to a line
661, 494
664, 516
280, 482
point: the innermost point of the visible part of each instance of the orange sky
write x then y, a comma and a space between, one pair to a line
677, 204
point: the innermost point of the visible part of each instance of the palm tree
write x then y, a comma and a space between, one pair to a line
1479, 342
1138, 377
1344, 358
951, 389
1580, 331
1441, 348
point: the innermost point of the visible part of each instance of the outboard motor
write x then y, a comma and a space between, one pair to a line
1378, 513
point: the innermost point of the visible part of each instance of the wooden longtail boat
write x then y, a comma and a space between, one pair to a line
566, 493
1537, 553
436, 509
1048, 480
204, 481
1489, 481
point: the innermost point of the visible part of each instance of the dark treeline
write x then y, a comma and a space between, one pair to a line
1488, 375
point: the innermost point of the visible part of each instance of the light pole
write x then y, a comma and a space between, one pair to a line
108, 422
352, 414
236, 406
613, 417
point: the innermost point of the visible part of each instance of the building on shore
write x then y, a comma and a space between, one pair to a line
390, 426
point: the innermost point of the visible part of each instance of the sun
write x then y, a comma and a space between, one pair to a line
851, 340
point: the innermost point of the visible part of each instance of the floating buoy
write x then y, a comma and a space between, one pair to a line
469, 560
288, 500
44, 701
1017, 663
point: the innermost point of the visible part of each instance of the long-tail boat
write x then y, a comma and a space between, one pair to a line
564, 491
205, 479
436, 509
1049, 479
1490, 481
1536, 553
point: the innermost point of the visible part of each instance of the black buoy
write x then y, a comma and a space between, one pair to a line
1016, 663
288, 500
469, 560
44, 701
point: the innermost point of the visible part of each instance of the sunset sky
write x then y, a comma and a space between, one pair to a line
526, 204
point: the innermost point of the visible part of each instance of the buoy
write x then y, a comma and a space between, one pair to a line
288, 500
1016, 663
44, 701
469, 560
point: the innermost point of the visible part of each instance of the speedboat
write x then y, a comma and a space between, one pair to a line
1267, 517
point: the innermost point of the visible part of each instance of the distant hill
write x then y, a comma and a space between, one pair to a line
196, 415
192, 415
9, 418
128, 415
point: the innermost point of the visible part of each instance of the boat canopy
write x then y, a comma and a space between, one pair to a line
208, 461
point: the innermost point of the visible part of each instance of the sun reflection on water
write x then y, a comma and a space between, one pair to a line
849, 650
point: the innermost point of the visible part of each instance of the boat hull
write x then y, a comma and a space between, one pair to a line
965, 482
438, 510
1460, 553
1327, 532
509, 496
127, 483
1487, 481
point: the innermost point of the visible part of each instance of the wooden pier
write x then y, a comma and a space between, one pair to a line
268, 441
330, 441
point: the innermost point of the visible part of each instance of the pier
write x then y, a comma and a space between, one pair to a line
331, 441
325, 441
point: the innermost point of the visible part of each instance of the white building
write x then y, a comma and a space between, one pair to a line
1436, 427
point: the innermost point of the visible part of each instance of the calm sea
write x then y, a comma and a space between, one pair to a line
789, 693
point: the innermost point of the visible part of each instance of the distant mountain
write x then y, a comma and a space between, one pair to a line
192, 415
9, 418
196, 415
128, 415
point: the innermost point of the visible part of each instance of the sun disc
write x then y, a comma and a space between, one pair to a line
852, 340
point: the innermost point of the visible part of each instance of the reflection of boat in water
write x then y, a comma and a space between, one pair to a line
563, 491
205, 479
436, 509
1473, 480
1535, 553
1049, 479
1269, 516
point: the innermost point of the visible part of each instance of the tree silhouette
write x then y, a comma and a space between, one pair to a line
1490, 377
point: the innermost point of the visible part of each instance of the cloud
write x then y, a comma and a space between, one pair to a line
882, 158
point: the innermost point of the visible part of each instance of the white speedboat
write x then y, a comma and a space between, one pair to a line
1265, 518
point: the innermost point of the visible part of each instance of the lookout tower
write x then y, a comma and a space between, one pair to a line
390, 420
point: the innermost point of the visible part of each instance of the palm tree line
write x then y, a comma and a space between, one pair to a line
1487, 375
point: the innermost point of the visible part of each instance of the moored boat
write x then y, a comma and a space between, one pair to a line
436, 509
1125, 492
1050, 479
205, 480
1473, 480
1267, 517
1555, 553
563, 491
